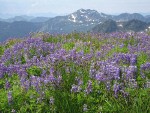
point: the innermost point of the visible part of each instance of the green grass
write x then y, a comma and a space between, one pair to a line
68, 46
100, 100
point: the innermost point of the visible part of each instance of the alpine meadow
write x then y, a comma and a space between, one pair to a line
62, 57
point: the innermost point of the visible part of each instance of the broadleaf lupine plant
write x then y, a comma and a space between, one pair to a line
76, 73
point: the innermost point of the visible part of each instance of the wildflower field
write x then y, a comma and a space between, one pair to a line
76, 73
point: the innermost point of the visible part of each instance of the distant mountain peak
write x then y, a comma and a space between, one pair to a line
81, 10
86, 11
82, 20
84, 15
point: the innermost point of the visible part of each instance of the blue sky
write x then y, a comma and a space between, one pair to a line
33, 7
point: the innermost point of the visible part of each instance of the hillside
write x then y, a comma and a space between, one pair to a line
112, 26
76, 73
106, 27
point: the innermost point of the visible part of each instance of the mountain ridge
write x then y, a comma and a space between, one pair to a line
82, 20
112, 26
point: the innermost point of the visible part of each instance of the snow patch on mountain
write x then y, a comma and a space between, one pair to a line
120, 25
72, 18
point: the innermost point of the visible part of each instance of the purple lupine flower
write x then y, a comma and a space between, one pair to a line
51, 79
75, 88
51, 71
92, 70
26, 84
98, 54
107, 71
100, 76
3, 69
43, 73
9, 95
143, 68
116, 89
7, 85
132, 83
125, 58
73, 54
1, 75
35, 82
125, 94
89, 87
121, 46
79, 81
46, 81
131, 72
133, 61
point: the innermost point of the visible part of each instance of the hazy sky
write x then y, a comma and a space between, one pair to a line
32, 7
